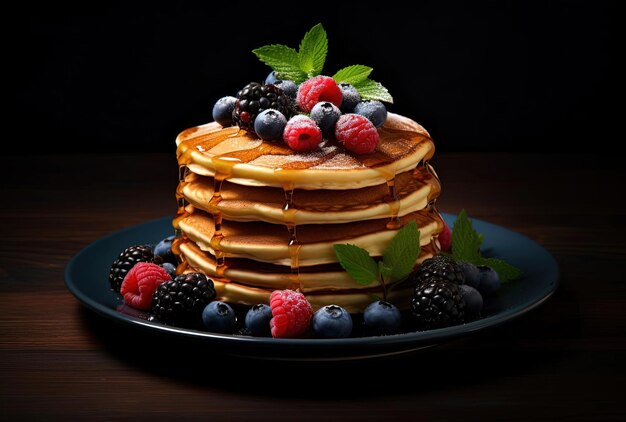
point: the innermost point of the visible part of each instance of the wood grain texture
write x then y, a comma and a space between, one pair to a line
565, 360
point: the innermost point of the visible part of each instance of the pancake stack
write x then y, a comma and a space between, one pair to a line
256, 216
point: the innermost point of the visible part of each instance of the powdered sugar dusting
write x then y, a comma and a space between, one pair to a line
340, 162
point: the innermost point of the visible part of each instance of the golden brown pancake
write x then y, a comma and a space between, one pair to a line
267, 242
241, 158
414, 189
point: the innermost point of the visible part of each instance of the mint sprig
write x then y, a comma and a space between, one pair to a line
285, 61
297, 65
466, 244
357, 262
308, 62
397, 263
358, 76
313, 50
372, 90
353, 74
403, 251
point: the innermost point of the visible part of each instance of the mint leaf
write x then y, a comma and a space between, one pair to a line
357, 262
385, 271
506, 271
403, 251
313, 49
284, 60
465, 241
466, 247
372, 90
352, 74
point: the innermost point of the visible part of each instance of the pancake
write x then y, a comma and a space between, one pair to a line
270, 242
241, 158
414, 190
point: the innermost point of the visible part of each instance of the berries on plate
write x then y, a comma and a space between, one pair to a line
351, 97
356, 133
489, 280
223, 110
375, 111
127, 260
164, 250
254, 98
437, 303
270, 124
318, 89
382, 317
445, 238
302, 134
325, 114
140, 284
218, 317
440, 265
473, 300
182, 300
332, 321
170, 268
291, 314
258, 320
471, 272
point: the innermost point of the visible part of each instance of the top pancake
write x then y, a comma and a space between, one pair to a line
243, 159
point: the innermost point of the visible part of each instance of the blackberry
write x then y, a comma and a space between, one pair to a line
182, 300
442, 266
255, 98
127, 260
437, 303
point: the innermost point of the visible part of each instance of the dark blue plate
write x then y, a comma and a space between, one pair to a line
86, 276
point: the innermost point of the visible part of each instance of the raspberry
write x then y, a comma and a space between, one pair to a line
302, 134
357, 133
291, 313
445, 238
319, 88
140, 284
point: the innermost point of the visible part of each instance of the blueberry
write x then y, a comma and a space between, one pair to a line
223, 111
325, 115
270, 124
382, 317
473, 299
472, 273
332, 321
170, 268
489, 280
258, 320
375, 111
164, 250
351, 97
218, 317
288, 87
271, 78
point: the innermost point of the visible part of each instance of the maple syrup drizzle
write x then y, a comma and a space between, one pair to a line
293, 245
394, 205
223, 168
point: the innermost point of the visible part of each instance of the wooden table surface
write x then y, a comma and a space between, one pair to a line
564, 360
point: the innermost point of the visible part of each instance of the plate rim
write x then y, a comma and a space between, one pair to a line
413, 338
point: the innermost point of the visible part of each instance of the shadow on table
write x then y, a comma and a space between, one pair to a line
512, 350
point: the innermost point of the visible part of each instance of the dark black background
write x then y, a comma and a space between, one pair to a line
497, 75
